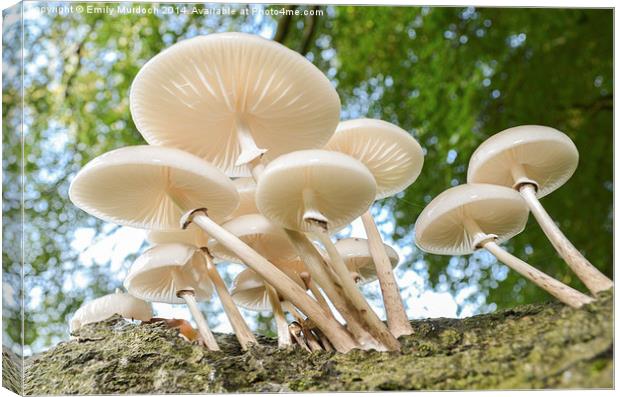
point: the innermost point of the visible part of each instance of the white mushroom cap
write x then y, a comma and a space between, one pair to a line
547, 156
193, 235
326, 184
355, 253
393, 156
106, 306
138, 186
164, 270
200, 94
259, 233
246, 187
248, 290
441, 227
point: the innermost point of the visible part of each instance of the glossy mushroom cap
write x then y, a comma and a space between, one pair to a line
106, 306
393, 156
248, 291
330, 185
138, 186
164, 270
199, 93
547, 157
442, 228
259, 233
246, 187
193, 235
355, 253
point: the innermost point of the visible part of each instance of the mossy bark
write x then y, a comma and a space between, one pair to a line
531, 347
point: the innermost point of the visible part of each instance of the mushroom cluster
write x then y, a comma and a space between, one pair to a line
507, 175
248, 162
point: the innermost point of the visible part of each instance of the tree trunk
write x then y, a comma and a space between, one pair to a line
533, 346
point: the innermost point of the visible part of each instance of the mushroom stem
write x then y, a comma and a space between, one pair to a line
267, 270
242, 331
319, 273
289, 307
593, 279
318, 295
295, 330
397, 320
284, 338
257, 167
310, 338
376, 327
519, 175
561, 291
249, 149
324, 341
311, 214
201, 322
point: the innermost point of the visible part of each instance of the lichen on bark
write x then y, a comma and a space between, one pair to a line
534, 346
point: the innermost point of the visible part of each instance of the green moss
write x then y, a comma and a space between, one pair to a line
11, 371
534, 346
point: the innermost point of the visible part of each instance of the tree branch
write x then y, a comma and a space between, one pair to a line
309, 29
283, 25
78, 63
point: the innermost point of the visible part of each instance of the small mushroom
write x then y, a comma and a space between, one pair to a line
242, 94
195, 237
395, 160
152, 187
108, 305
173, 273
468, 217
313, 191
296, 331
536, 160
251, 292
305, 338
355, 253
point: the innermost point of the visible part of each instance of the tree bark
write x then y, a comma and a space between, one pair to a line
527, 347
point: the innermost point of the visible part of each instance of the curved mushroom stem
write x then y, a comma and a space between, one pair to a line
320, 274
284, 338
249, 149
376, 327
240, 327
593, 279
201, 322
397, 320
339, 337
561, 291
